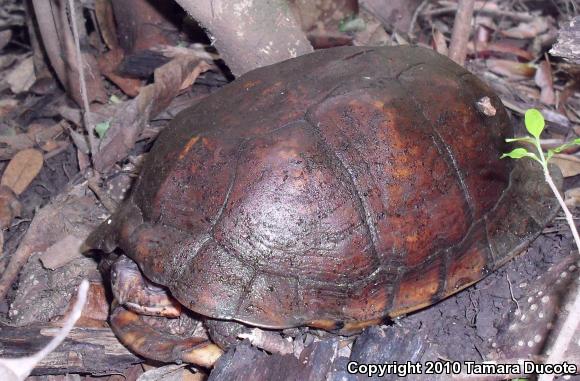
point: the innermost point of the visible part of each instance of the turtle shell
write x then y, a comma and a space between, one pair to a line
331, 190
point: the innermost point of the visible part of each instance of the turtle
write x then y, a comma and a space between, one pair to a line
332, 191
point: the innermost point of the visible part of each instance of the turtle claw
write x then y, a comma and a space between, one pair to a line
144, 340
132, 290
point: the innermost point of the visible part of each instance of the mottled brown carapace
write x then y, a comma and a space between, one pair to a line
331, 190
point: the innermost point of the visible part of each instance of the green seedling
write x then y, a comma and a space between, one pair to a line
101, 128
535, 125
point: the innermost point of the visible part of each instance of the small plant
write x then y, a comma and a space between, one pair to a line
535, 125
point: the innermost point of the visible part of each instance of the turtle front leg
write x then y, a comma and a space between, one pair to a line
152, 337
149, 342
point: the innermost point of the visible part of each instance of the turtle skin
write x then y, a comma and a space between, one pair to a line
331, 190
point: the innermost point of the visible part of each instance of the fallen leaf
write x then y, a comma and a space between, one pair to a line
132, 116
511, 69
7, 106
499, 49
545, 82
439, 42
10, 207
11, 145
568, 164
62, 252
74, 211
106, 20
50, 145
108, 64
22, 77
527, 29
572, 197
555, 117
22, 169
396, 15
96, 310
5, 37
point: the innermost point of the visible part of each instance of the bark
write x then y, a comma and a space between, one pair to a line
250, 33
568, 44
94, 351
461, 31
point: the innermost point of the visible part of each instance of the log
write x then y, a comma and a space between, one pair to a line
250, 34
86, 350
568, 43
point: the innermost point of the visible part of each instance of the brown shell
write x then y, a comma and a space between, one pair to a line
331, 190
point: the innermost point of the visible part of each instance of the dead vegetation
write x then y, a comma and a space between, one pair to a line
68, 159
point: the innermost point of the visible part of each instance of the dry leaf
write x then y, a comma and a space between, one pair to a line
106, 20
11, 145
439, 42
555, 117
96, 310
50, 145
7, 106
74, 211
572, 197
568, 164
22, 77
528, 29
544, 80
108, 64
500, 49
10, 207
22, 169
132, 116
5, 37
62, 252
511, 69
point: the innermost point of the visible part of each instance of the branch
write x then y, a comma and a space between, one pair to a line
250, 34
461, 31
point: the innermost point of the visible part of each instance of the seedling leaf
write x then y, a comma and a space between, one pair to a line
561, 148
101, 128
518, 153
534, 122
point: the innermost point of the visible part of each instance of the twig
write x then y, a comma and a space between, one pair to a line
250, 34
415, 15
512, 292
82, 83
461, 31
518, 16
52, 44
18, 369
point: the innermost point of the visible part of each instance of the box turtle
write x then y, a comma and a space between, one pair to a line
330, 191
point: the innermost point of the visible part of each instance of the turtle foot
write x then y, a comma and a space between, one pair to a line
144, 340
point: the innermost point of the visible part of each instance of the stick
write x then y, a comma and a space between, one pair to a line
519, 16
82, 83
17, 369
250, 34
85, 350
461, 31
